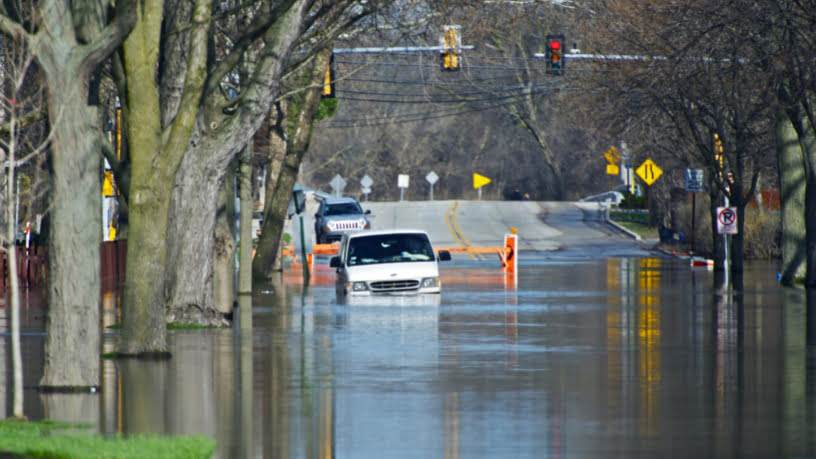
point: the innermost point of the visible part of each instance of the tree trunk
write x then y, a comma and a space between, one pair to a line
297, 143
156, 152
191, 243
74, 278
217, 140
143, 319
16, 354
224, 255
718, 246
738, 241
792, 192
245, 186
9, 245
73, 335
807, 142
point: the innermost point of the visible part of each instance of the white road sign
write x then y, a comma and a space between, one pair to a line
402, 181
726, 220
337, 184
694, 180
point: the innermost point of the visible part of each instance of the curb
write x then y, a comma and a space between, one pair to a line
624, 230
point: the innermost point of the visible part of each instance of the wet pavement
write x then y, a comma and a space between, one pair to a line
576, 358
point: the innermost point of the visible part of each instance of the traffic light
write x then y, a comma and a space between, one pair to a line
328, 80
555, 54
718, 155
450, 55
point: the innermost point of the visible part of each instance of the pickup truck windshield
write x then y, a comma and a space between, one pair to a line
390, 248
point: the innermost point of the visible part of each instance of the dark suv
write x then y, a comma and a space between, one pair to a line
336, 216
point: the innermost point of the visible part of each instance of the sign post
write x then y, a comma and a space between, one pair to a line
726, 224
694, 185
431, 178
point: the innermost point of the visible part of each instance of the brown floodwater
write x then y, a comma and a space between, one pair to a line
575, 358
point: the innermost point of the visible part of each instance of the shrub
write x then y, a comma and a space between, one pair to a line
762, 229
630, 201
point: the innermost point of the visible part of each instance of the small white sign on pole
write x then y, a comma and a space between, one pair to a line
694, 180
726, 220
402, 183
338, 185
366, 182
431, 178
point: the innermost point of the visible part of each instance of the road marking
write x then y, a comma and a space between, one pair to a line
450, 220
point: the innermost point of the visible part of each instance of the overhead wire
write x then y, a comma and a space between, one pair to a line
497, 95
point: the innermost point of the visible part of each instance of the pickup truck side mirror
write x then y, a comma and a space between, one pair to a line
444, 255
334, 262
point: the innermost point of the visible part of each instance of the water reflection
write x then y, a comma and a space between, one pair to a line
607, 358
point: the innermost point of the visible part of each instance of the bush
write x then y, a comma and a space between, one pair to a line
762, 229
630, 201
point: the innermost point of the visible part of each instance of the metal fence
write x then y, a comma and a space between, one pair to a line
32, 266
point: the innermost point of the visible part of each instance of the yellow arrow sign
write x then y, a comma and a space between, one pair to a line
479, 181
649, 171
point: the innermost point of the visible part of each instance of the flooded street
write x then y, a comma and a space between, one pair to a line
583, 358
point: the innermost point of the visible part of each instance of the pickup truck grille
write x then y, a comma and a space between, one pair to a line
395, 286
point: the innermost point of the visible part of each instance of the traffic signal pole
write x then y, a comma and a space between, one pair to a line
449, 48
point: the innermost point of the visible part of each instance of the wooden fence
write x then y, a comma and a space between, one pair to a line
32, 266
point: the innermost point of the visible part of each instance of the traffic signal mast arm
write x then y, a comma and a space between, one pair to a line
397, 49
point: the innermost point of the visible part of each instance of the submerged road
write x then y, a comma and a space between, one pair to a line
565, 228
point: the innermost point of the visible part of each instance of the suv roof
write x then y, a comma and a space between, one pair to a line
334, 200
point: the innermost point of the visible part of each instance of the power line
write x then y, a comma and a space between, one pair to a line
491, 91
418, 117
463, 66
423, 116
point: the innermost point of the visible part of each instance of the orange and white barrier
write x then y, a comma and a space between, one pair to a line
506, 253
510, 261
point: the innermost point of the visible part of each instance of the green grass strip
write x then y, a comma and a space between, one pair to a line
640, 229
63, 441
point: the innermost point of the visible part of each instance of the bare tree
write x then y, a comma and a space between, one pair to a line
687, 66
67, 63
298, 132
23, 140
788, 56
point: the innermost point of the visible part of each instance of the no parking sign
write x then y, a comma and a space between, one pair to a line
726, 220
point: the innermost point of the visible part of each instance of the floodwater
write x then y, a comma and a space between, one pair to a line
576, 358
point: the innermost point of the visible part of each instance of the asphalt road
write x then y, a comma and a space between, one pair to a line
564, 228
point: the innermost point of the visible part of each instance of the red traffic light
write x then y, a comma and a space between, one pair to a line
555, 60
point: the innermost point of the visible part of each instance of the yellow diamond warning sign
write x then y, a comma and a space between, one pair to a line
649, 172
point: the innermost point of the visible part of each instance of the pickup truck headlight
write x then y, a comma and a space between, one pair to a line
358, 286
429, 282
